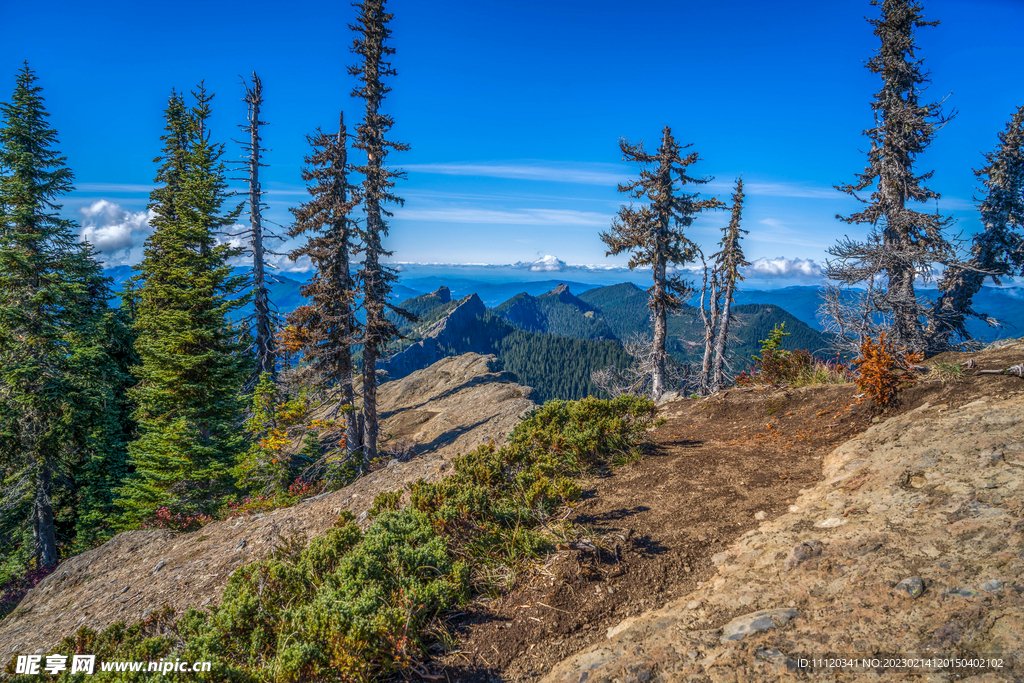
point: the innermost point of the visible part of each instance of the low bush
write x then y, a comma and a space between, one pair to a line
883, 370
776, 366
357, 605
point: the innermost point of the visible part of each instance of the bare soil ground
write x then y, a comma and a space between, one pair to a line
716, 469
657, 523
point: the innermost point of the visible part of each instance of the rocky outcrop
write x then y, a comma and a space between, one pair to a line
436, 413
911, 547
438, 342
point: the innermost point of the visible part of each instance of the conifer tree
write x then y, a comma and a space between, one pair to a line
904, 243
52, 311
329, 324
997, 251
191, 365
728, 262
375, 277
263, 316
655, 234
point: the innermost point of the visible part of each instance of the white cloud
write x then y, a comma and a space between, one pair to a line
545, 264
113, 187
514, 217
115, 232
781, 266
581, 173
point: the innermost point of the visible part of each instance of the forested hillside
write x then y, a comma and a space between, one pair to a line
556, 312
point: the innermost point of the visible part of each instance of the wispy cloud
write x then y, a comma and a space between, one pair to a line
580, 173
510, 217
113, 187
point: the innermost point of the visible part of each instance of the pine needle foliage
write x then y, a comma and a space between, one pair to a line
655, 233
904, 243
192, 365
325, 330
61, 437
375, 277
997, 251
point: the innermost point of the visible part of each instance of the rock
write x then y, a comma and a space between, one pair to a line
845, 589
446, 410
760, 515
802, 552
444, 334
912, 586
159, 565
755, 622
1001, 343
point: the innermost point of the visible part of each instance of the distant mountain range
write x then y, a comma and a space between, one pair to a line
553, 333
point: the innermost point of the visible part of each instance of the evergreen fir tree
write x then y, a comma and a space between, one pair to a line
52, 313
904, 243
997, 251
655, 234
728, 262
375, 278
329, 324
191, 365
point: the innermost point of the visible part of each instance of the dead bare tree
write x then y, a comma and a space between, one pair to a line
728, 262
636, 378
264, 318
710, 305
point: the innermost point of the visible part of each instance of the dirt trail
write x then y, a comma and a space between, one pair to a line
676, 525
717, 468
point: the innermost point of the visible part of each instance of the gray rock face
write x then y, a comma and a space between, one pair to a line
904, 499
755, 622
444, 334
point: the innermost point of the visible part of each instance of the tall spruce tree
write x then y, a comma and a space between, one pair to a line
655, 234
191, 365
330, 327
997, 251
53, 312
375, 277
728, 262
904, 244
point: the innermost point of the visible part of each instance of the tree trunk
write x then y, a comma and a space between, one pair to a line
709, 317
369, 402
718, 374
660, 332
42, 527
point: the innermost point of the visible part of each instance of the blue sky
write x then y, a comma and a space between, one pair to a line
514, 109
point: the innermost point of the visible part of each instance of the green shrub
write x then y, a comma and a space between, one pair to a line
355, 605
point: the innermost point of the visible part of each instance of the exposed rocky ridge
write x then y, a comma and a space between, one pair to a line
444, 410
912, 545
443, 335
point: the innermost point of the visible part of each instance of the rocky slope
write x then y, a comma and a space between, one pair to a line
437, 341
442, 411
911, 546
